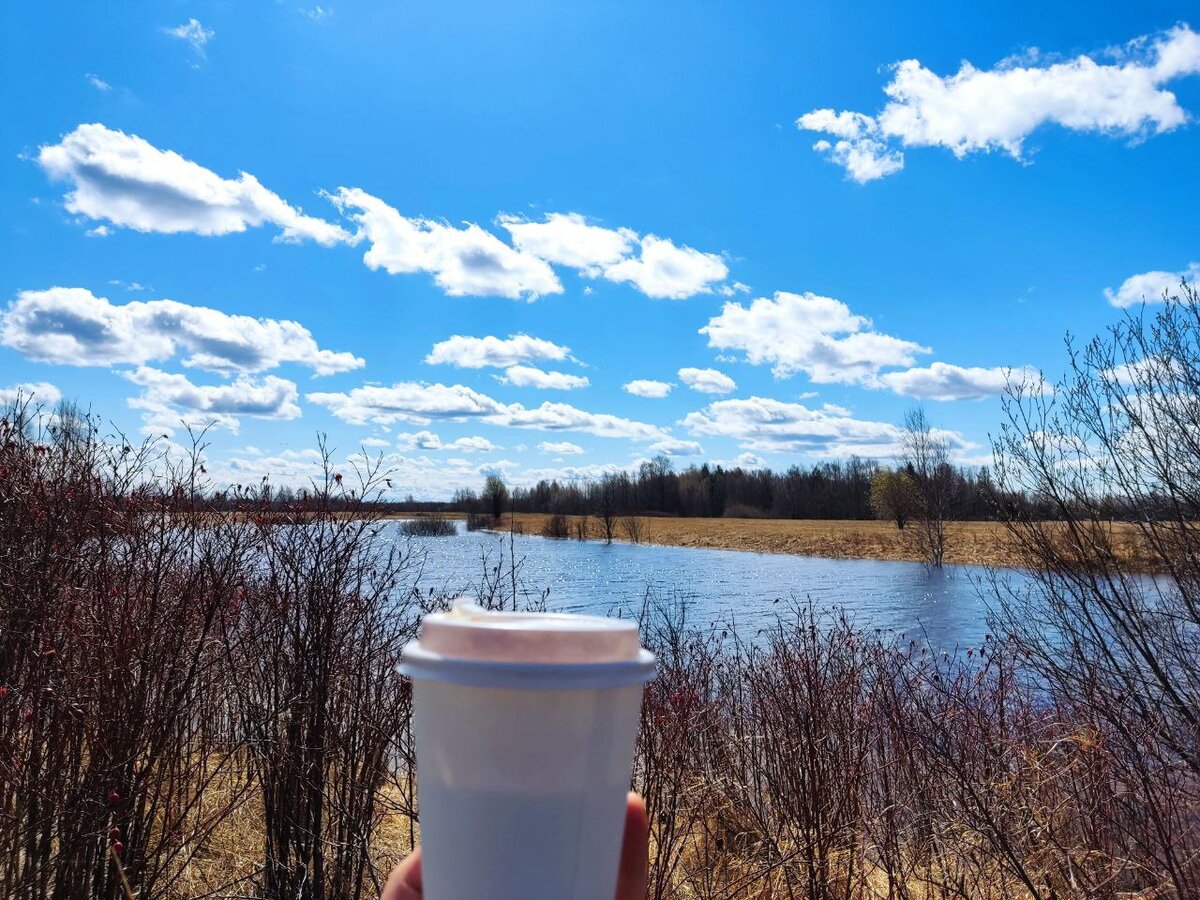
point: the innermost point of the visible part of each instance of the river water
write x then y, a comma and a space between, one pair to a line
947, 608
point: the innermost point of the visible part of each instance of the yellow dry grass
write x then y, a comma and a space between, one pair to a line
967, 543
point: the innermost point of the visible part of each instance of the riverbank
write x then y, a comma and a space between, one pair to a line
967, 543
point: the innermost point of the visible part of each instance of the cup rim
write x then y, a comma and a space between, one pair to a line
425, 665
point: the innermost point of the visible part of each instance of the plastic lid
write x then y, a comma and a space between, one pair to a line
469, 631
471, 645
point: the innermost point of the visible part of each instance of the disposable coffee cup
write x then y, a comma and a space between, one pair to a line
525, 727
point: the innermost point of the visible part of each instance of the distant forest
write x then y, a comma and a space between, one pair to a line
829, 490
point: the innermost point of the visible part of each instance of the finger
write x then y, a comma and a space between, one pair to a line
635, 852
405, 881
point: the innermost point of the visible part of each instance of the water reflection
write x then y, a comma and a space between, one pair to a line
949, 607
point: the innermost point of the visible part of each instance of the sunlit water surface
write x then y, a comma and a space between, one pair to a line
746, 590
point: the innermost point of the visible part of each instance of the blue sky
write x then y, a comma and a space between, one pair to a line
468, 234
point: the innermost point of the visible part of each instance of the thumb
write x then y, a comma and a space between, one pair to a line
635, 852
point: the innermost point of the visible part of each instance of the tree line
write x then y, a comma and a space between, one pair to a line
827, 490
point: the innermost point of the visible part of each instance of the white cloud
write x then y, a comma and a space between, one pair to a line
566, 239
1149, 287
528, 376
72, 326
421, 404
563, 417
427, 440
463, 261
169, 400
749, 461
318, 13
766, 425
493, 352
942, 381
645, 387
195, 34
675, 447
98, 83
406, 401
864, 159
560, 448
38, 392
808, 333
707, 381
471, 444
978, 110
129, 182
665, 270
375, 442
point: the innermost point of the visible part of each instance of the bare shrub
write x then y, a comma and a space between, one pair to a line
115, 591
313, 662
556, 526
478, 522
428, 526
634, 529
581, 527
1118, 440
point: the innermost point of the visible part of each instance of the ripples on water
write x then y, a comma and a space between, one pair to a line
748, 589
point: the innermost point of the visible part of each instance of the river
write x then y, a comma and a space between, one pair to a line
948, 608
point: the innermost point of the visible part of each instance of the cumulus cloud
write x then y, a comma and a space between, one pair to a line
406, 401
676, 447
707, 381
667, 271
808, 333
978, 110
421, 404
168, 400
1150, 287
528, 376
942, 381
567, 239
466, 260
646, 387
560, 448
563, 417
427, 440
72, 326
766, 425
40, 392
127, 181
493, 352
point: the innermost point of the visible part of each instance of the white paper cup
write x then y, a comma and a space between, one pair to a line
525, 726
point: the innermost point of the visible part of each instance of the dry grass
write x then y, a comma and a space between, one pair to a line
967, 543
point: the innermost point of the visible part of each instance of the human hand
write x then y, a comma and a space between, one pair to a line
405, 881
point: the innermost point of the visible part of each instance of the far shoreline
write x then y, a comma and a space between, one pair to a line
975, 543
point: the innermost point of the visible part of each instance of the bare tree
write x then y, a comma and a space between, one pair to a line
925, 458
495, 495
894, 496
1119, 439
604, 503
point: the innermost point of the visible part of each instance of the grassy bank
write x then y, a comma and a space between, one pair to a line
967, 543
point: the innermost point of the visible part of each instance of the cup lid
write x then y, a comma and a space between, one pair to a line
471, 645
468, 631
